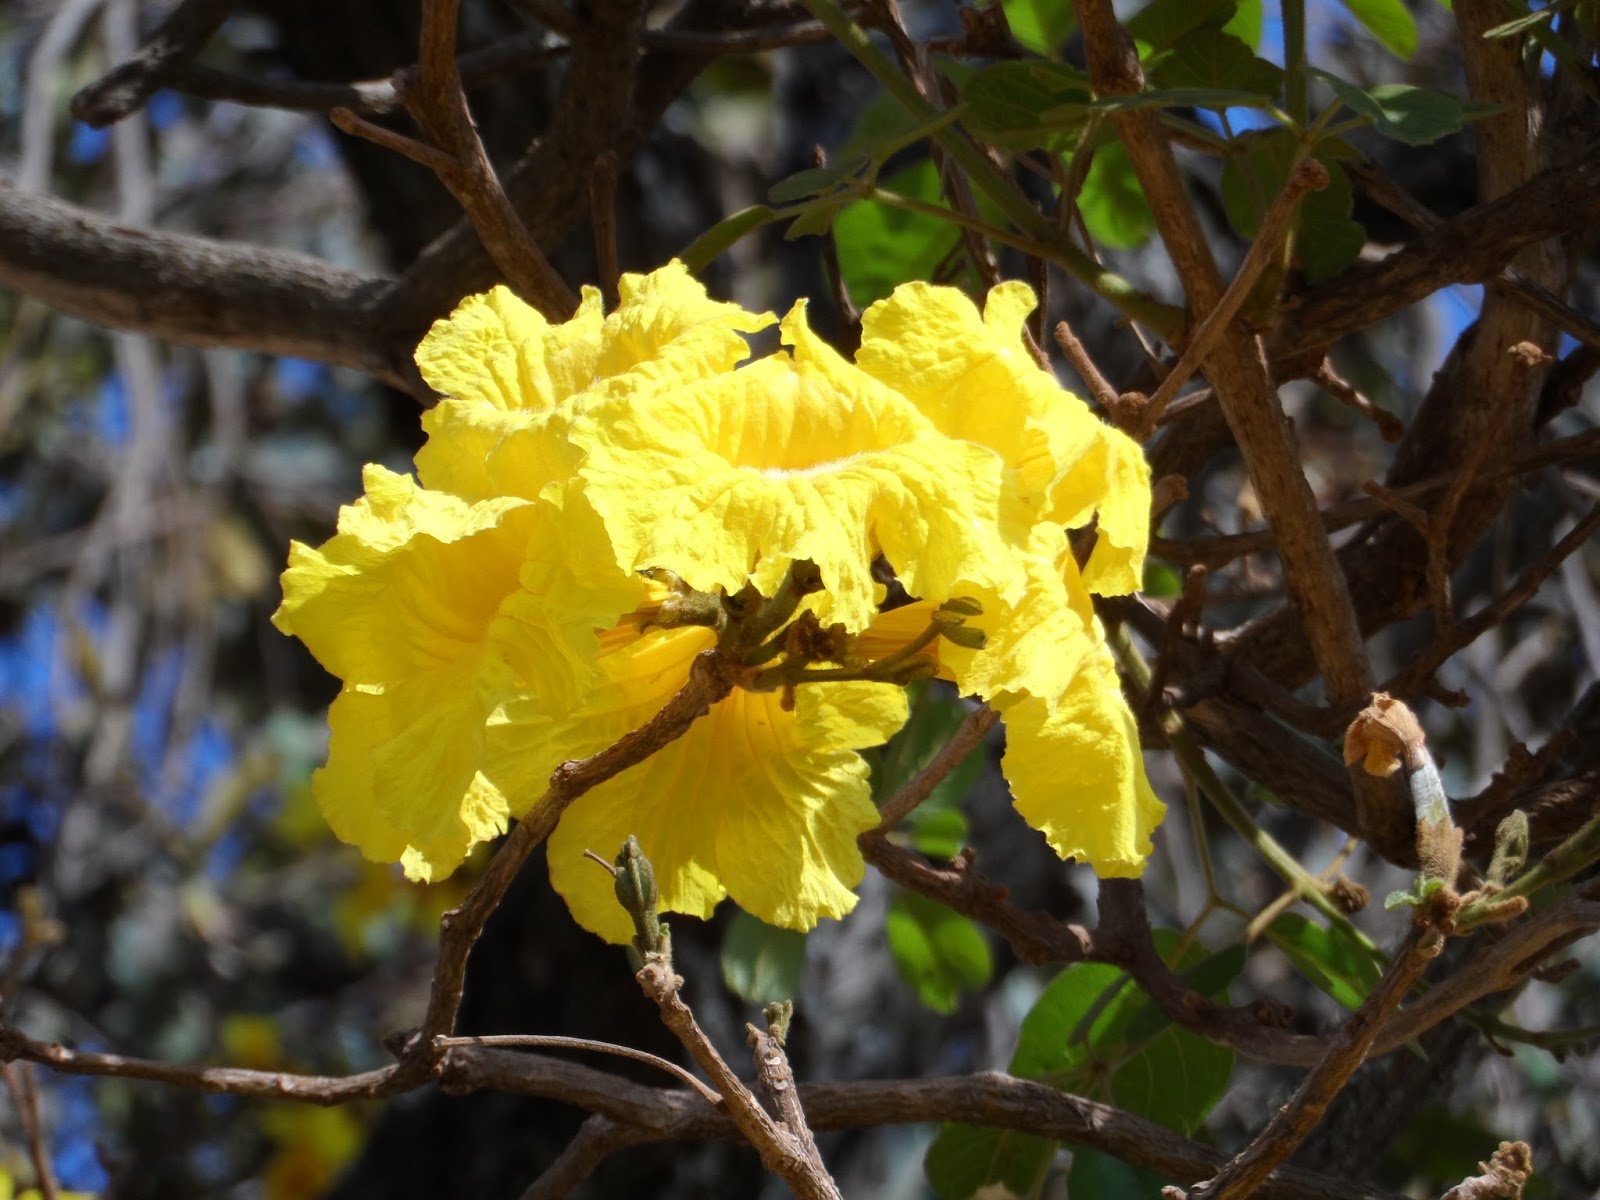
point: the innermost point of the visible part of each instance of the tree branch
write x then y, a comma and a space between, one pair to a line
199, 291
1237, 370
176, 40
1248, 1170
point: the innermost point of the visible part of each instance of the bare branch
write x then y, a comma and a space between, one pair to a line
199, 291
1237, 370
1247, 1171
781, 1152
597, 1139
1470, 248
177, 40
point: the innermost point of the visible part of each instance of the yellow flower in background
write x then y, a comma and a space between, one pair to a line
495, 617
8, 1190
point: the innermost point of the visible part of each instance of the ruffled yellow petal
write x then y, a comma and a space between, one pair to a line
974, 379
1037, 645
1077, 775
434, 611
1034, 646
411, 579
478, 452
730, 480
402, 781
512, 381
753, 801
1113, 481
667, 332
494, 350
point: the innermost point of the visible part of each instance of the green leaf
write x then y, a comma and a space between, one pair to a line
700, 253
815, 221
1413, 115
1522, 24
882, 247
1158, 25
1097, 1174
816, 181
939, 952
1246, 23
1161, 582
1092, 1032
1092, 1028
1389, 21
1418, 895
963, 1160
1174, 1077
1211, 58
1326, 239
940, 833
1005, 104
1328, 956
1112, 202
761, 963
1041, 25
1181, 97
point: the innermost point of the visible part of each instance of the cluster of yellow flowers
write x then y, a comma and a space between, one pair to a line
493, 617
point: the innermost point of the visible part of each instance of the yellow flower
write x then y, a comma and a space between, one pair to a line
1072, 746
8, 1190
433, 610
754, 801
730, 479
972, 376
502, 614
512, 382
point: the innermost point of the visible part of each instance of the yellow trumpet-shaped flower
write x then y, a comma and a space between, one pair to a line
754, 801
511, 608
433, 611
730, 479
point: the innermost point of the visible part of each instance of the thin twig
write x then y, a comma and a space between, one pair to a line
1217, 551
1460, 634
437, 101
1078, 357
128, 85
597, 1139
1308, 176
780, 1152
1245, 1173
968, 737
421, 153
25, 1100
1330, 381
542, 1041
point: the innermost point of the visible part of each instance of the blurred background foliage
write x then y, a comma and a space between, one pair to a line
167, 887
